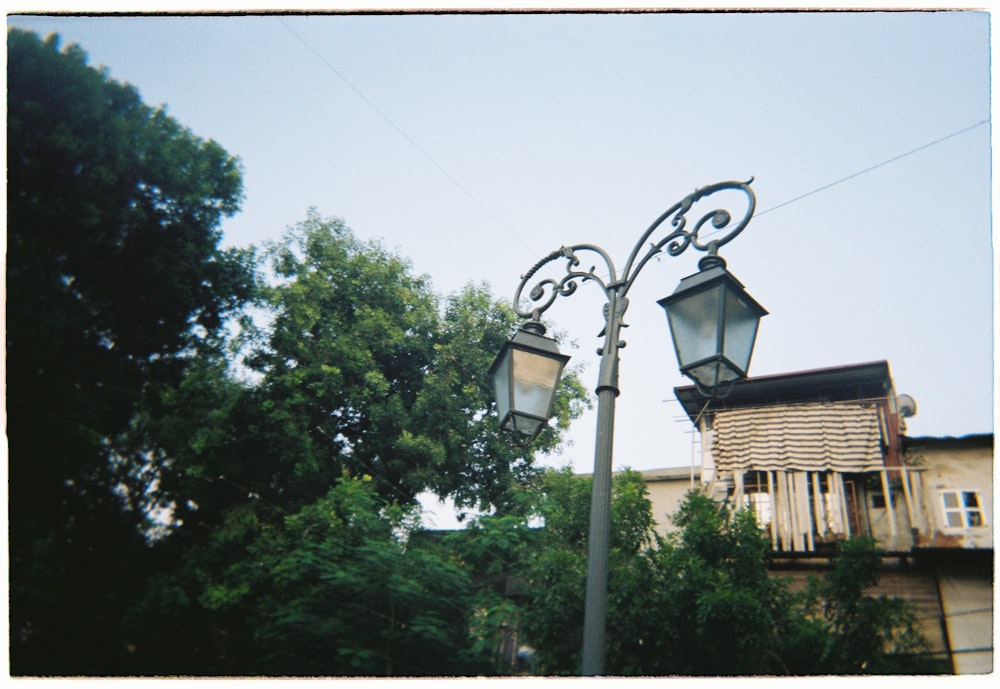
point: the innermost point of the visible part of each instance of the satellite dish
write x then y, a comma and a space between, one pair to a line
906, 405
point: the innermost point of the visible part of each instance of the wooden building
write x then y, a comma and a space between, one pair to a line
823, 455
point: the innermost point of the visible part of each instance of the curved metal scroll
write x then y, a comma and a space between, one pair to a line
544, 293
680, 238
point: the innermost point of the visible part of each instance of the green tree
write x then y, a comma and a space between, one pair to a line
357, 372
115, 281
700, 602
719, 611
854, 632
338, 589
363, 371
554, 565
351, 340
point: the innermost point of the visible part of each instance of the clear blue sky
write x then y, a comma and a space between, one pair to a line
476, 144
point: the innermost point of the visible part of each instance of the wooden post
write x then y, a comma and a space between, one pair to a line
774, 510
904, 477
842, 497
818, 505
805, 515
888, 504
793, 509
784, 525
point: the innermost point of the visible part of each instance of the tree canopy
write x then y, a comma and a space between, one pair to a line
115, 280
700, 602
179, 414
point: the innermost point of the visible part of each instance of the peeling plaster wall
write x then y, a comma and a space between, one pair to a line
953, 464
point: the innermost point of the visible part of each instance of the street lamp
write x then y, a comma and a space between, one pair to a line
713, 322
525, 375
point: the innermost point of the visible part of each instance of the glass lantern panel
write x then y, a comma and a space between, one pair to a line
694, 325
712, 374
740, 329
501, 387
535, 378
526, 425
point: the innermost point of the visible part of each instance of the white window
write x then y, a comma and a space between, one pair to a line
962, 509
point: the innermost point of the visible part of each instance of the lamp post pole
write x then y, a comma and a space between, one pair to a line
598, 545
616, 287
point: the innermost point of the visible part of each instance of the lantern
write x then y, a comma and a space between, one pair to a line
525, 375
713, 322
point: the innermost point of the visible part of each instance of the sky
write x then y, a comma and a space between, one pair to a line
475, 144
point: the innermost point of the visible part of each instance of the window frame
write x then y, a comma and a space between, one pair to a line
961, 509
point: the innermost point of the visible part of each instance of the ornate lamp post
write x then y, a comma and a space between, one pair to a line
713, 322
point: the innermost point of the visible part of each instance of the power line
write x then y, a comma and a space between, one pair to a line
844, 179
405, 136
877, 165
486, 210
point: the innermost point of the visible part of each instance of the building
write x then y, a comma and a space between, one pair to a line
823, 455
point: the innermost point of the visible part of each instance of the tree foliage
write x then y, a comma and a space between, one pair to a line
854, 632
722, 611
114, 281
291, 487
335, 589
700, 602
547, 566
365, 370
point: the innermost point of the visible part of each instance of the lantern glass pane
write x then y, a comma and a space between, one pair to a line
526, 425
535, 378
694, 325
740, 329
501, 386
712, 374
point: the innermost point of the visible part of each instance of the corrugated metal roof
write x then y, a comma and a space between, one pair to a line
807, 437
834, 384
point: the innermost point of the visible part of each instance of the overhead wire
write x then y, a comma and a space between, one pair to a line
877, 165
866, 170
859, 173
406, 137
399, 130
854, 175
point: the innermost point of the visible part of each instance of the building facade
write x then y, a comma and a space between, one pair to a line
823, 455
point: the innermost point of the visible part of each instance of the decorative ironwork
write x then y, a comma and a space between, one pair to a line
675, 219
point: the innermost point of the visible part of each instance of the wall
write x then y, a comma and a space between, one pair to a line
960, 464
667, 488
967, 600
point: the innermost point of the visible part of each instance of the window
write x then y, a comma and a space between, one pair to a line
962, 509
878, 500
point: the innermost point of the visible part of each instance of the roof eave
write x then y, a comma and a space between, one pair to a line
834, 384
